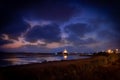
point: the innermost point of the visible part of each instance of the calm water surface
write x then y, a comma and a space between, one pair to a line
20, 59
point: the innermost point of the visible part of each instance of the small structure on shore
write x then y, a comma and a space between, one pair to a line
114, 51
65, 52
62, 53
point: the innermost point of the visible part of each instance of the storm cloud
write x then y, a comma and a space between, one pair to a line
44, 25
79, 29
49, 33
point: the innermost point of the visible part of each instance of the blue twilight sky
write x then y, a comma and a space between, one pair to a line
52, 25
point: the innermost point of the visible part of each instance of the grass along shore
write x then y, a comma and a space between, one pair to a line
95, 68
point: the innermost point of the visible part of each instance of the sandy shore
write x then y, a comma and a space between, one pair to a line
82, 69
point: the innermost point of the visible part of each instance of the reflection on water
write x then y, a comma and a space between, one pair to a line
65, 57
25, 59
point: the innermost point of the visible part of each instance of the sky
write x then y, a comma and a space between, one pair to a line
54, 25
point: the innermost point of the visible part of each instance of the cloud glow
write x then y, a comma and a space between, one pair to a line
20, 42
59, 25
34, 23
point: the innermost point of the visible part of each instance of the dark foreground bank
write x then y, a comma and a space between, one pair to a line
96, 68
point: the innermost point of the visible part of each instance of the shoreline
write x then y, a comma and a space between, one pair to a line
85, 69
49, 62
24, 60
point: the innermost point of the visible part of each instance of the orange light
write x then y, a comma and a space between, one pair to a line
65, 57
110, 51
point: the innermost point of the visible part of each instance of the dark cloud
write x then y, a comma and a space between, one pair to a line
98, 21
107, 34
55, 11
10, 11
2, 42
79, 41
77, 34
79, 29
15, 28
111, 36
13, 12
49, 33
87, 41
116, 26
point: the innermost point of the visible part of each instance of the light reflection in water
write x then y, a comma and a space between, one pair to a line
16, 61
65, 57
19, 60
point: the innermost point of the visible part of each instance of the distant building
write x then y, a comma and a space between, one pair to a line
109, 51
62, 53
65, 52
114, 51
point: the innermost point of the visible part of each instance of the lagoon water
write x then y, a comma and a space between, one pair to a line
21, 59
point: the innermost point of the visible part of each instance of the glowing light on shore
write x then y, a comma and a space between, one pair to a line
65, 51
117, 51
109, 51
